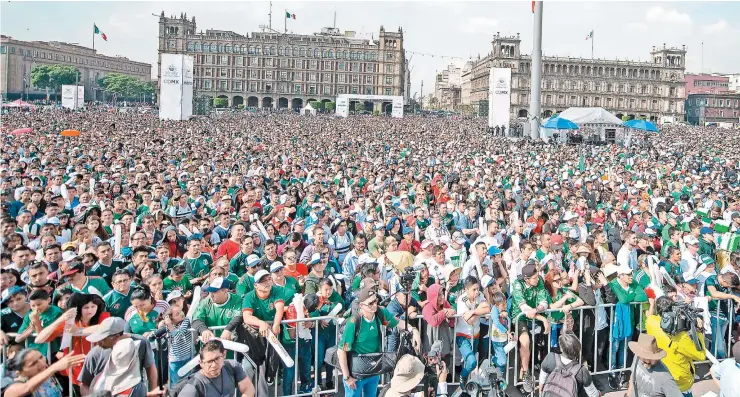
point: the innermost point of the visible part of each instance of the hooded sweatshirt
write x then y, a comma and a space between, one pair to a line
431, 311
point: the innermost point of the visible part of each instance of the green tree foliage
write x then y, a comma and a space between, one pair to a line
330, 106
220, 102
53, 77
359, 107
124, 86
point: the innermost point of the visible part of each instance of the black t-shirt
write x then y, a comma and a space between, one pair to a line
10, 321
221, 386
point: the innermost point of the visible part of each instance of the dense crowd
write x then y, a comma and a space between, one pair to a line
129, 241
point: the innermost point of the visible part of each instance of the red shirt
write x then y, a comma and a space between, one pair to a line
540, 222
228, 248
301, 270
414, 248
80, 345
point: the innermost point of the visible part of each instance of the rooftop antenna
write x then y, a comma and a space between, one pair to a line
270, 15
335, 19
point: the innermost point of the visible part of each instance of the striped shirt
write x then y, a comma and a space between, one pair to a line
181, 342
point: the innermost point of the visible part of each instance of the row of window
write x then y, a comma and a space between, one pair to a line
600, 86
291, 76
285, 51
697, 112
715, 102
291, 63
631, 103
285, 88
710, 83
69, 59
599, 71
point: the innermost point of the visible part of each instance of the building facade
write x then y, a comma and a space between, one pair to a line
18, 57
276, 70
733, 83
652, 89
722, 109
447, 87
465, 83
706, 84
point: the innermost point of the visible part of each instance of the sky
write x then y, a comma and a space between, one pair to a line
623, 30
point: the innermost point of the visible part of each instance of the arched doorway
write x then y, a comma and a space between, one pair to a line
253, 102
352, 105
267, 102
548, 113
297, 103
521, 113
283, 103
238, 100
221, 101
386, 107
369, 106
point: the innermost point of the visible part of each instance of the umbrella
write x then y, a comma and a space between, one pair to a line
400, 259
559, 123
643, 125
70, 133
21, 131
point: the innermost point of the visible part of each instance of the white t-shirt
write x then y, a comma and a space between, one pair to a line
465, 305
728, 372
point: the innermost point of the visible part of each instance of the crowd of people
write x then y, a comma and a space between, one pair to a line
142, 244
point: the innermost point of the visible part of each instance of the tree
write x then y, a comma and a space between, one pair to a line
220, 102
53, 77
359, 107
123, 86
625, 118
329, 106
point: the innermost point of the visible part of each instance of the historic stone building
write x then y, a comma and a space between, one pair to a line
626, 88
18, 57
271, 69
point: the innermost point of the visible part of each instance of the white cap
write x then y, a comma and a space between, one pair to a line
260, 274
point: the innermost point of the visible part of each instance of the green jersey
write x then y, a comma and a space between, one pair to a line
117, 303
455, 292
47, 317
183, 285
245, 285
141, 325
215, 315
291, 288
92, 282
197, 267
367, 337
523, 294
104, 271
558, 316
238, 263
642, 278
263, 309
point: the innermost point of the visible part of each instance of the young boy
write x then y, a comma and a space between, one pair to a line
177, 281
305, 346
499, 330
42, 314
470, 306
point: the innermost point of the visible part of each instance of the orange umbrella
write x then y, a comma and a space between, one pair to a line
70, 133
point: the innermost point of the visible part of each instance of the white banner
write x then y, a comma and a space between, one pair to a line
342, 107
176, 88
499, 98
397, 111
80, 97
68, 96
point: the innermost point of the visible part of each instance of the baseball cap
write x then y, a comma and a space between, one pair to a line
366, 293
315, 258
408, 230
486, 281
275, 266
706, 260
173, 295
368, 282
426, 244
14, 290
494, 250
447, 270
178, 269
110, 326
220, 283
529, 271
69, 256
706, 230
378, 226
624, 270
253, 260
568, 216
53, 221
690, 240
260, 274
69, 269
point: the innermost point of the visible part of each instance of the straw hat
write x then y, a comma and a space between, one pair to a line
123, 370
408, 373
583, 249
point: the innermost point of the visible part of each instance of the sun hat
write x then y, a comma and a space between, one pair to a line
647, 347
122, 370
407, 374
110, 326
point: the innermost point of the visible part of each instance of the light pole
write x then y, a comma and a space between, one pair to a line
534, 105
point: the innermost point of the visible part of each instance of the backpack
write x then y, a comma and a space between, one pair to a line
561, 382
200, 391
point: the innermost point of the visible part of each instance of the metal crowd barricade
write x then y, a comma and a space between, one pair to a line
512, 372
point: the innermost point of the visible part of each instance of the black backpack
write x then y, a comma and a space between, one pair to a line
561, 382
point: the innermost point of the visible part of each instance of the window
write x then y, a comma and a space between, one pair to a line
312, 90
224, 60
355, 79
387, 91
389, 68
388, 80
12, 50
389, 56
268, 87
253, 74
354, 90
340, 90
223, 85
35, 54
314, 64
370, 67
341, 66
239, 61
341, 78
253, 87
368, 79
207, 84
2, 49
297, 89
268, 74
222, 72
302, 52
368, 90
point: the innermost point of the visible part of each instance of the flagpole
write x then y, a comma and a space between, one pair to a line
286, 20
592, 45
93, 36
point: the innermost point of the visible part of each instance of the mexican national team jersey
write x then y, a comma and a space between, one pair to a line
263, 309
291, 288
117, 303
197, 267
47, 317
215, 315
142, 323
367, 338
92, 282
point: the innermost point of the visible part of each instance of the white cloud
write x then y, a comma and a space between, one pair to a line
635, 27
716, 27
660, 14
480, 24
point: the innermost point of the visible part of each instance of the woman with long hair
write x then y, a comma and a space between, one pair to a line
35, 377
145, 271
86, 311
96, 227
141, 317
559, 297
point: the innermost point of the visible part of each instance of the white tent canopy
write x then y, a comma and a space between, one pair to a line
592, 122
582, 116
308, 110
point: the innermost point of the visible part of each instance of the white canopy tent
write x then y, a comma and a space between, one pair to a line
308, 110
592, 122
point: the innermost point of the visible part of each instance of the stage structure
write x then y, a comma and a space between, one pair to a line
396, 103
176, 87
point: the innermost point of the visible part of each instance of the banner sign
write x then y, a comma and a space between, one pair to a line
73, 97
342, 107
397, 111
176, 87
499, 98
